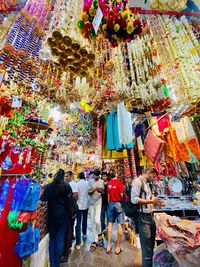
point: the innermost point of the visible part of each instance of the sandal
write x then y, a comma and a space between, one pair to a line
108, 251
93, 246
120, 250
100, 241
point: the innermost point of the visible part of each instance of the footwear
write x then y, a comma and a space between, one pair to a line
100, 241
78, 247
64, 259
93, 246
84, 238
118, 252
108, 250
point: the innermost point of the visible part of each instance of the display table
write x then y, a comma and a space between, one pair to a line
179, 206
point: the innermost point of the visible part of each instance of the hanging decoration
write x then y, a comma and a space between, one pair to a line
118, 24
20, 54
163, 5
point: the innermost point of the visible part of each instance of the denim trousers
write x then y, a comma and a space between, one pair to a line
56, 245
81, 224
104, 216
147, 232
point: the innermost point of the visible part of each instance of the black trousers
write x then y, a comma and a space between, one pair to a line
146, 228
69, 238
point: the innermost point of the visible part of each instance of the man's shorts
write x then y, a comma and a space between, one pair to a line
115, 213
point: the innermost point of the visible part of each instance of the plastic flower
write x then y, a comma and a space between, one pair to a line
84, 16
92, 11
126, 14
116, 27
104, 27
130, 28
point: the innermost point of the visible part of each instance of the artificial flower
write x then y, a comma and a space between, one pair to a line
129, 27
126, 14
84, 16
92, 11
95, 4
116, 27
81, 24
104, 27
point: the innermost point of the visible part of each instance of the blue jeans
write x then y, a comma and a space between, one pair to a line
115, 213
104, 216
56, 245
81, 222
147, 231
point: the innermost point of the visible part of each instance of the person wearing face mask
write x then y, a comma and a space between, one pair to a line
96, 189
142, 196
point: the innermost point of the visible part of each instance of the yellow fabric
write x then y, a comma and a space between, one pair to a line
144, 160
108, 154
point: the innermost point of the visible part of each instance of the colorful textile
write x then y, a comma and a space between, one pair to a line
124, 125
163, 123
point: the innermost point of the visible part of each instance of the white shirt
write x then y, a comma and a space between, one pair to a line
95, 198
74, 187
135, 193
83, 197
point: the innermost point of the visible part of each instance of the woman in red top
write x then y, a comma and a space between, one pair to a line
115, 212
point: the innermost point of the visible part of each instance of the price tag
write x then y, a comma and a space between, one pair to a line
16, 102
97, 19
176, 117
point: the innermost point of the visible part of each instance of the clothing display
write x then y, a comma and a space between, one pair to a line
101, 87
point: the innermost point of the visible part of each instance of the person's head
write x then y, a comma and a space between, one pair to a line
81, 176
50, 175
150, 174
59, 183
69, 176
104, 176
112, 175
96, 174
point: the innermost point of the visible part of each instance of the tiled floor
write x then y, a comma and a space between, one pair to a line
130, 257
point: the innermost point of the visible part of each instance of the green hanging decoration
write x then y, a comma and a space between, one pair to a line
13, 223
165, 90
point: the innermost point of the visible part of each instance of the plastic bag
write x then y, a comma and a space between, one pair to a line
32, 197
28, 242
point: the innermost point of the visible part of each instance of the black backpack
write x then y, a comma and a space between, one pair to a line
131, 210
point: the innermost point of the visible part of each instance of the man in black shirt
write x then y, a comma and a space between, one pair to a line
104, 207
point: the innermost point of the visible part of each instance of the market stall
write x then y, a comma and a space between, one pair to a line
113, 85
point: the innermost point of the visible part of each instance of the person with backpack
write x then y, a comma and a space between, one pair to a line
115, 212
142, 198
58, 196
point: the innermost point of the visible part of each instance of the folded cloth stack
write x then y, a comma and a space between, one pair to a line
181, 236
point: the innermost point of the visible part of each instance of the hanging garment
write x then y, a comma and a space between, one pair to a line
194, 147
153, 146
99, 132
180, 131
112, 134
140, 144
190, 133
163, 123
154, 125
111, 154
179, 151
124, 125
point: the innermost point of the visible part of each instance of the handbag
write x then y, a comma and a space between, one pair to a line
153, 146
28, 242
73, 206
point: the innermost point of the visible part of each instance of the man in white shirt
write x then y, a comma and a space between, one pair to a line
82, 214
141, 195
69, 237
96, 188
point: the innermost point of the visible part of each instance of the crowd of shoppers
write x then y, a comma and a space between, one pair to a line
100, 196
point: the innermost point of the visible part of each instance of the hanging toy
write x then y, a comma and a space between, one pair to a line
3, 195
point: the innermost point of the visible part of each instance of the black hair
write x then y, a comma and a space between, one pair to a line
70, 173
59, 183
50, 174
104, 173
96, 172
81, 175
112, 175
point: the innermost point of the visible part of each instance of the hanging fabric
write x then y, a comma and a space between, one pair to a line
124, 125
